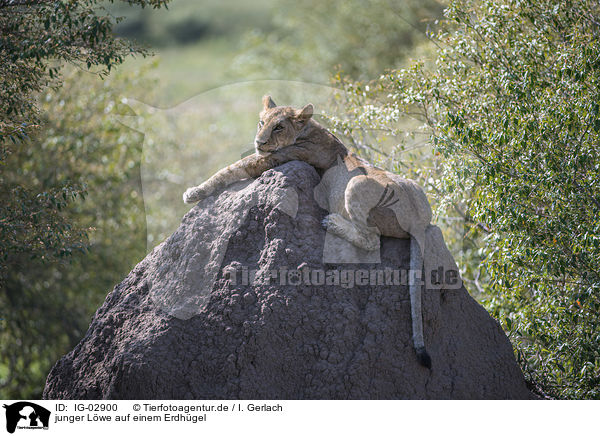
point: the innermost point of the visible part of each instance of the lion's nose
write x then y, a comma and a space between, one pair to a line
259, 143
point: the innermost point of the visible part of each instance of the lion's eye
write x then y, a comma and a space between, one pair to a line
278, 128
261, 123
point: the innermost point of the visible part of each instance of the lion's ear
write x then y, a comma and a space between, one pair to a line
268, 102
305, 113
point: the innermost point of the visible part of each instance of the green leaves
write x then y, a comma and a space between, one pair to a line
43, 224
37, 35
512, 103
72, 228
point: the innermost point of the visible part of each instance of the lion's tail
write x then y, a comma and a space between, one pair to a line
415, 287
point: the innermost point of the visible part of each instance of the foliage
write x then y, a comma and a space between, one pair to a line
512, 104
37, 36
45, 306
38, 219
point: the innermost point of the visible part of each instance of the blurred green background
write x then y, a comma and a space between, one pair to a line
156, 125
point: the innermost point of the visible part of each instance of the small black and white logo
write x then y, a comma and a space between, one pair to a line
26, 415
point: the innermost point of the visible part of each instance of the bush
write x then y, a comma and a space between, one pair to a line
511, 102
45, 307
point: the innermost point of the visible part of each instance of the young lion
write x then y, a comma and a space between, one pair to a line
364, 201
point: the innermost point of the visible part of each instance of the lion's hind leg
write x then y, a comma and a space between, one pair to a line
361, 195
360, 237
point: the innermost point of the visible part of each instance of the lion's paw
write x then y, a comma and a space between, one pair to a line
195, 194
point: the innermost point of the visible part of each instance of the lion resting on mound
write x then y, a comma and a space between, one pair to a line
364, 201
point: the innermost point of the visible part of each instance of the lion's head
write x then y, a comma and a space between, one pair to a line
279, 126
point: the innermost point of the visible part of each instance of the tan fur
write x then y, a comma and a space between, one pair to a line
364, 201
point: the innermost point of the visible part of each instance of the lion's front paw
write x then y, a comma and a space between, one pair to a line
188, 196
195, 194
